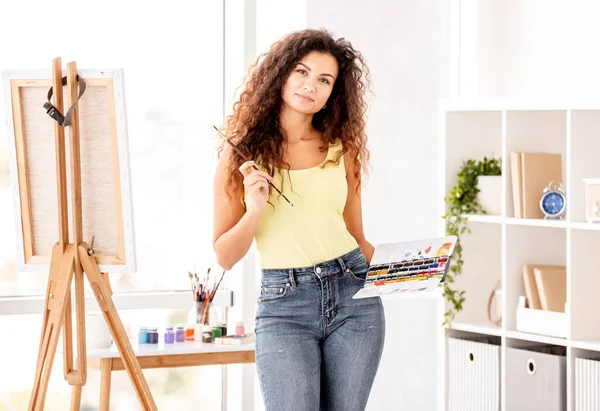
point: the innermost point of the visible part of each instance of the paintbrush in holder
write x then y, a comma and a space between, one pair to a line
203, 311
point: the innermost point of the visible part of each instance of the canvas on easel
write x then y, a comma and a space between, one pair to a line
105, 172
68, 189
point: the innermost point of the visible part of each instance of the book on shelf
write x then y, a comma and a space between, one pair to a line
515, 173
542, 309
551, 283
531, 172
545, 286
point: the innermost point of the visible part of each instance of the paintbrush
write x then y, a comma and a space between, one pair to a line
213, 292
253, 165
192, 284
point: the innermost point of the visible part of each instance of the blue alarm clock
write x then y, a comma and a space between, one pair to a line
553, 201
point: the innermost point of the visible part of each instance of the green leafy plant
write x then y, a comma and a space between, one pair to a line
461, 201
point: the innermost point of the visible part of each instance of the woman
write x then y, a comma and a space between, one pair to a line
300, 120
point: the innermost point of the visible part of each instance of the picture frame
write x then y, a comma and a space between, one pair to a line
592, 200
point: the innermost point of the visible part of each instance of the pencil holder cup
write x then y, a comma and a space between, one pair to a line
203, 312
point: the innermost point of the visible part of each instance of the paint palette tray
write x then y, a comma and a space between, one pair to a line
410, 266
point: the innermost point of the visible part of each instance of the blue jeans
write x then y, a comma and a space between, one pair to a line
316, 347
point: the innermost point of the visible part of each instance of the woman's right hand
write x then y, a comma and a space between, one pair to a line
256, 186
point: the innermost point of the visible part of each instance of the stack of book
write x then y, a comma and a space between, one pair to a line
530, 174
545, 287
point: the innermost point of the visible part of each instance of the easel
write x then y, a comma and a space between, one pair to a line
75, 259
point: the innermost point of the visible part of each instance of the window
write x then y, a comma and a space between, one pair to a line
173, 63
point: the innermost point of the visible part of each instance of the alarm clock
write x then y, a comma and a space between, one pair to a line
553, 201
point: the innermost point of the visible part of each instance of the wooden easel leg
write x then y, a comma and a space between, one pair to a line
76, 397
68, 339
61, 270
105, 377
102, 291
53, 276
77, 376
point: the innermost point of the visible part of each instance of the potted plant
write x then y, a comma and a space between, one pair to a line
490, 193
463, 199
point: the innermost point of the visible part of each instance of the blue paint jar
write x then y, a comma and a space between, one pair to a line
153, 336
143, 335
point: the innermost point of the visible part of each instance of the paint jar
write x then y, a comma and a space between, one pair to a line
152, 336
169, 336
216, 331
143, 335
206, 334
197, 332
223, 329
239, 328
189, 332
179, 334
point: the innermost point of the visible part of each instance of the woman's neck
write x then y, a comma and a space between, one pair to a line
296, 126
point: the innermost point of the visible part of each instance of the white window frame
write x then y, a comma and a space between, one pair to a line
169, 300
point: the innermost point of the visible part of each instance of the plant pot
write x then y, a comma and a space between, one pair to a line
490, 194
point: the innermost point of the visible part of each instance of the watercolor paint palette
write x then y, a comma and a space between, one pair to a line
406, 267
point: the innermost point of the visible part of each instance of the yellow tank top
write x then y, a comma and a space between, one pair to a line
313, 230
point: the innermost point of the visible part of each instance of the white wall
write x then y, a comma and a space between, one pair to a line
407, 46
537, 48
276, 18
533, 48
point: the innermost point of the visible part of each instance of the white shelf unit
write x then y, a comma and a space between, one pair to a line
500, 244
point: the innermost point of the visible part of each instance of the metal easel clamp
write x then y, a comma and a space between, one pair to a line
90, 250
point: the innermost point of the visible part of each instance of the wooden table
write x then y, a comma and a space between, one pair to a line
161, 355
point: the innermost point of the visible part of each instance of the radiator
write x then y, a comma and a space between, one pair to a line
473, 375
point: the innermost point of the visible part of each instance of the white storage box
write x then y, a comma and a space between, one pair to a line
587, 381
551, 323
473, 375
536, 379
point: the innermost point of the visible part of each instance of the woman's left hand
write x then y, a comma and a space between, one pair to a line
368, 250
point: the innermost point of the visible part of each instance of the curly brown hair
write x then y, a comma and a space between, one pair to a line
253, 125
